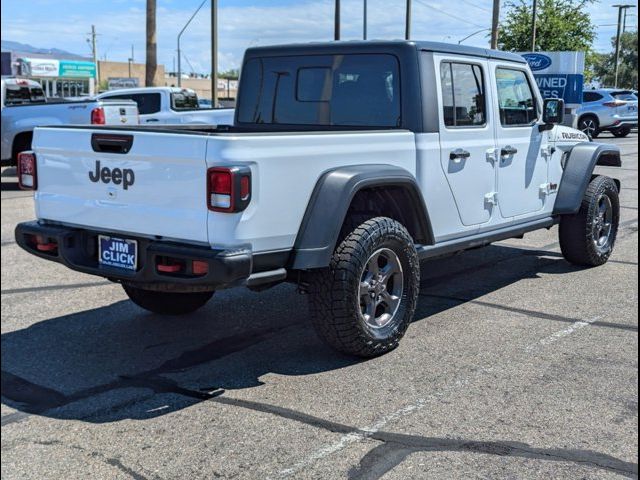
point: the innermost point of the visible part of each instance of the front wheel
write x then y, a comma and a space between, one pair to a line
363, 303
588, 237
167, 303
590, 126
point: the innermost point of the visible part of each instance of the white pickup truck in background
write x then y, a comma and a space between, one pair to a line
171, 105
24, 107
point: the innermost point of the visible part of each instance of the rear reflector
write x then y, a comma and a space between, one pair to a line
228, 189
97, 116
198, 267
27, 171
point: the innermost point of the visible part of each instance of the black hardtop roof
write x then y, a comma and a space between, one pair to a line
396, 46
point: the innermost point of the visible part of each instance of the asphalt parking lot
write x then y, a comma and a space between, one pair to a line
517, 365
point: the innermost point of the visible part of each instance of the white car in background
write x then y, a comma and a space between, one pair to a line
171, 105
24, 107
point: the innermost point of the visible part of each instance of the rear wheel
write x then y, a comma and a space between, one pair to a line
588, 237
167, 303
363, 303
590, 126
621, 132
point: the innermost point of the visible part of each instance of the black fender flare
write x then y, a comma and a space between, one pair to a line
579, 166
330, 201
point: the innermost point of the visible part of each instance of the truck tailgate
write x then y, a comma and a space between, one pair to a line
155, 188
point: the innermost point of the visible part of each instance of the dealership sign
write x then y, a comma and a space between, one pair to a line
49, 67
558, 74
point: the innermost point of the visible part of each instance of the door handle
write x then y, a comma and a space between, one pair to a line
508, 151
458, 154
151, 120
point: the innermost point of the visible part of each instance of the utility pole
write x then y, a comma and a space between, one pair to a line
364, 23
336, 21
620, 8
407, 24
151, 60
533, 25
214, 53
494, 24
94, 53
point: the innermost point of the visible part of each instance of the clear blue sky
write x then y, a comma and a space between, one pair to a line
242, 23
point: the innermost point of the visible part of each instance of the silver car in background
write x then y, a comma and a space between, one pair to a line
608, 109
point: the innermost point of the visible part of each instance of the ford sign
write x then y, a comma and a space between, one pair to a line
537, 61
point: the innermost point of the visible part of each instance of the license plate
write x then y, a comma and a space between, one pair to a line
118, 252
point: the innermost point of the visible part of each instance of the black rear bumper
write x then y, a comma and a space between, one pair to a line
78, 250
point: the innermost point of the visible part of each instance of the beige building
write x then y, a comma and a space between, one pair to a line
124, 70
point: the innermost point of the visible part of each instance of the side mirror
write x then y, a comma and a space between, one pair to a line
553, 111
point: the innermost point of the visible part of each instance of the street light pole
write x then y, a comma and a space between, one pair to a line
180, 35
474, 33
617, 60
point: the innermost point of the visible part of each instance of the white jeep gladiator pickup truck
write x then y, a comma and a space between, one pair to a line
347, 164
25, 107
170, 105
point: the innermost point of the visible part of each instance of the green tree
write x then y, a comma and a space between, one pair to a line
562, 25
604, 66
232, 74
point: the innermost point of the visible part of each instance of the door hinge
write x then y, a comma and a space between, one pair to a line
492, 155
547, 152
491, 198
548, 188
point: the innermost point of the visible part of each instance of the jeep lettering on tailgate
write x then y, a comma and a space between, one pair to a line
118, 176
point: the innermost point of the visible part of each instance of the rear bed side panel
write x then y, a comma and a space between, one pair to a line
285, 169
167, 198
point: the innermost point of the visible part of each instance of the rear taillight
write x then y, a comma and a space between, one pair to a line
228, 189
27, 171
97, 116
615, 103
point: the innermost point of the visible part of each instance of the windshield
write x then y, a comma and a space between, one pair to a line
361, 90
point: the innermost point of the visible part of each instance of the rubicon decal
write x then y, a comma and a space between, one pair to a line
118, 176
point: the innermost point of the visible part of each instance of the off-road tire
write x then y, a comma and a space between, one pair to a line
334, 292
589, 125
621, 132
167, 303
577, 235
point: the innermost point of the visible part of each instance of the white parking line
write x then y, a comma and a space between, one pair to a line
354, 437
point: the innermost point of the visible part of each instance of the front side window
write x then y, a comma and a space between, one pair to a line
463, 98
184, 101
515, 97
359, 90
591, 97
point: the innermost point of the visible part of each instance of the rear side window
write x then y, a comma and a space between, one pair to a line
515, 97
463, 97
184, 101
148, 103
591, 97
18, 95
360, 90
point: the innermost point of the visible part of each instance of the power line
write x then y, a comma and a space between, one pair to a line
428, 5
477, 6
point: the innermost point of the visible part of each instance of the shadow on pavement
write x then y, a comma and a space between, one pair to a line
108, 363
